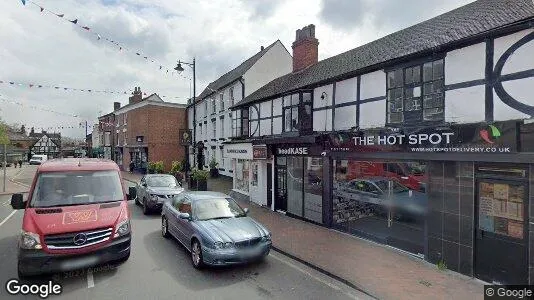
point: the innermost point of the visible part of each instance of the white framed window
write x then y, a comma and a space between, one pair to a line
221, 98
214, 129
231, 96
221, 128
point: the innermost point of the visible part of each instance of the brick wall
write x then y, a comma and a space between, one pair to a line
160, 128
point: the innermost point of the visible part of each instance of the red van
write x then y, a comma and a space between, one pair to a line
76, 216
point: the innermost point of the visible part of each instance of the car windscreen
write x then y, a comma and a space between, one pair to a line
37, 158
76, 188
161, 181
220, 208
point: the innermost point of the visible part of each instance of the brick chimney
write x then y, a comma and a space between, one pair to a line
116, 106
305, 48
137, 96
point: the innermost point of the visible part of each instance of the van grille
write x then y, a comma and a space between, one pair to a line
77, 240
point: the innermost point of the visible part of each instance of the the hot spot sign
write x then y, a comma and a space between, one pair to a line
401, 139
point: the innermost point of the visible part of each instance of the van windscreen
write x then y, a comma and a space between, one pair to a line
76, 188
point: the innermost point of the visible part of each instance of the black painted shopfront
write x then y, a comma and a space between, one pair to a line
458, 195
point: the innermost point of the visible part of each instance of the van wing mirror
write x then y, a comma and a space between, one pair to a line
184, 216
17, 201
132, 193
246, 210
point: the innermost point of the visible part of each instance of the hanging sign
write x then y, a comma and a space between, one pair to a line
259, 152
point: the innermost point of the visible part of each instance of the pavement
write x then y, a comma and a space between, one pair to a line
161, 268
373, 269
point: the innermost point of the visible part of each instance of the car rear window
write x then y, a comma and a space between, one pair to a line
76, 188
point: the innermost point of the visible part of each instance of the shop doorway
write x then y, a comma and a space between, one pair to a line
501, 248
269, 185
280, 200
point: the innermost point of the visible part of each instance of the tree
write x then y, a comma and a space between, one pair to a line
4, 139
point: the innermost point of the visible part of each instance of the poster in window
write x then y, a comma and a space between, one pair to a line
501, 225
485, 206
514, 211
486, 190
485, 223
515, 229
499, 208
500, 191
516, 193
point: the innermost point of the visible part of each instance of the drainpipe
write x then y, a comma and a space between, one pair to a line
242, 87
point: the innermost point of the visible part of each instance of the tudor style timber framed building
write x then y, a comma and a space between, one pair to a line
422, 140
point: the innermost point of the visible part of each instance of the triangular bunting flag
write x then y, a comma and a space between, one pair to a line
75, 21
160, 67
41, 9
23, 2
40, 86
61, 16
65, 89
85, 27
137, 53
31, 85
98, 36
146, 57
11, 82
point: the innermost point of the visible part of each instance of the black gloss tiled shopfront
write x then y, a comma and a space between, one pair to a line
455, 195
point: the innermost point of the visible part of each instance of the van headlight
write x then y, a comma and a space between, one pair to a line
123, 228
29, 240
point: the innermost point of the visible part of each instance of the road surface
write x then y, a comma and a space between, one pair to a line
160, 268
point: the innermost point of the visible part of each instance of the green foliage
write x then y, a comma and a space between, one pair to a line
441, 265
213, 163
4, 139
151, 168
176, 167
159, 167
199, 175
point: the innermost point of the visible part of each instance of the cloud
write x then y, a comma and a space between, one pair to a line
384, 15
43, 49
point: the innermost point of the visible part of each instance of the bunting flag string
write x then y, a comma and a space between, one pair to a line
100, 37
62, 88
36, 107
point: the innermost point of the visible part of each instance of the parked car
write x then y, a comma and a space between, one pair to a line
76, 216
154, 189
38, 159
215, 229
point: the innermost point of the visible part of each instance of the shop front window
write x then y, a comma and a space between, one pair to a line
242, 175
384, 201
302, 182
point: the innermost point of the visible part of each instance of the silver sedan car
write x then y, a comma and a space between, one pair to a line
215, 229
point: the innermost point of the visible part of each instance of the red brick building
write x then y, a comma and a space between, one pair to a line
147, 130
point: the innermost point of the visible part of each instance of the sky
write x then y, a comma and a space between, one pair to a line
40, 48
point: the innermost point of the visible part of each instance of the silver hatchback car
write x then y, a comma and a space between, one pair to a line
215, 229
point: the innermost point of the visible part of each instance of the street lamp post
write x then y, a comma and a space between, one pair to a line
179, 69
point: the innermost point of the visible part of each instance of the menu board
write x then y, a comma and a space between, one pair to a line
500, 208
515, 229
500, 191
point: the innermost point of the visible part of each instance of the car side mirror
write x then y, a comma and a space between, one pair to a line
17, 201
184, 216
246, 210
132, 193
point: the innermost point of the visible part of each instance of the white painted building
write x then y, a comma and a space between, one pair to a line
213, 123
422, 140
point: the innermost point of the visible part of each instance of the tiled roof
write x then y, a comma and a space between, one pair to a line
234, 74
464, 22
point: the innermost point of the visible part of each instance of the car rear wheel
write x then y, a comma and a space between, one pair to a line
196, 255
145, 208
164, 227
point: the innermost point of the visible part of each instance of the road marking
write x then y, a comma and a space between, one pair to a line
90, 279
7, 218
331, 285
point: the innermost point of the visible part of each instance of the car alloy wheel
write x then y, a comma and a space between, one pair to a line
164, 227
196, 255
